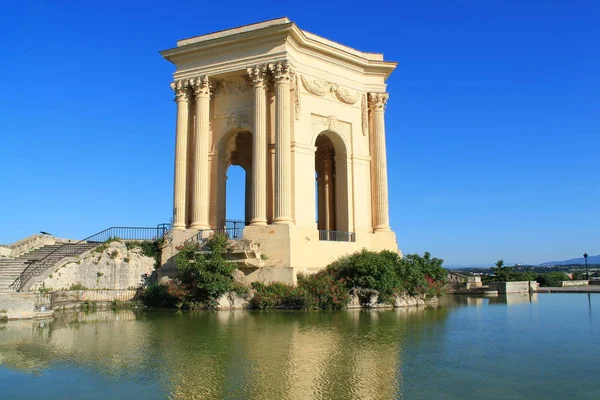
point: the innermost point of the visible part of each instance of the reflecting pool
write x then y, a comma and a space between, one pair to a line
544, 346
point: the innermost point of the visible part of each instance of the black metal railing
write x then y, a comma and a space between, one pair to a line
337, 236
233, 229
36, 267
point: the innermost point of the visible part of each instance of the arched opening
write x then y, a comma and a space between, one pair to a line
331, 189
235, 194
234, 182
326, 182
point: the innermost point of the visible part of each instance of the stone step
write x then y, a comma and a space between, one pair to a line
11, 268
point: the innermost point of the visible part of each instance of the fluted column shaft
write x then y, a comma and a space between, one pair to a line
283, 155
259, 147
181, 89
201, 193
381, 217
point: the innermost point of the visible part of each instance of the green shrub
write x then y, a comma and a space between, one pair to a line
320, 291
153, 249
77, 286
422, 274
126, 305
104, 245
206, 274
317, 291
274, 295
551, 279
164, 295
370, 270
389, 274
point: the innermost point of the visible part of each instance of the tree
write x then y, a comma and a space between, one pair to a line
551, 279
204, 270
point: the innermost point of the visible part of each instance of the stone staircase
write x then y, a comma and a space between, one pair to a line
45, 257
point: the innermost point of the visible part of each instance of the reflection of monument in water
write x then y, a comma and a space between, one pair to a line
280, 355
514, 298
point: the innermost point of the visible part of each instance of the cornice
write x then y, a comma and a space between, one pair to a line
305, 43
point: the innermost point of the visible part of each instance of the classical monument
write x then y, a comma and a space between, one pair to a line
304, 117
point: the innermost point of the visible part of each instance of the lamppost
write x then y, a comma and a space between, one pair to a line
587, 274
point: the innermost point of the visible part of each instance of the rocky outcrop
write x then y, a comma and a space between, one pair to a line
369, 298
112, 266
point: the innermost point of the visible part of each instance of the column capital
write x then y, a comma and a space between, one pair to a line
202, 86
258, 75
181, 88
282, 71
378, 101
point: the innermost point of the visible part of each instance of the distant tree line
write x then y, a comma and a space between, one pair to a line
548, 276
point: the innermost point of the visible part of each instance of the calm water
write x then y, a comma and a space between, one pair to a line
542, 347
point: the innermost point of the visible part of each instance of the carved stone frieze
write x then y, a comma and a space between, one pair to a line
320, 123
297, 105
232, 86
236, 119
320, 88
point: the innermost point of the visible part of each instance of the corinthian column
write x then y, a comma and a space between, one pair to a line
381, 217
182, 97
200, 198
283, 156
259, 147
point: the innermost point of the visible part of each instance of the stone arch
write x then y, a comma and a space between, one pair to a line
332, 189
233, 147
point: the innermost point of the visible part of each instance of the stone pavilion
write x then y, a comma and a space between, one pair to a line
305, 118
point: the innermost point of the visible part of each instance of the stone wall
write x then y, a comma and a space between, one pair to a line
514, 287
68, 298
573, 283
25, 245
116, 267
23, 305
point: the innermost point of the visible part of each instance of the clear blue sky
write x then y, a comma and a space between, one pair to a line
493, 123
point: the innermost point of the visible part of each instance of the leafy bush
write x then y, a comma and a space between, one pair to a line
104, 245
369, 270
322, 291
422, 274
317, 291
270, 296
551, 279
391, 275
153, 249
77, 286
206, 274
164, 295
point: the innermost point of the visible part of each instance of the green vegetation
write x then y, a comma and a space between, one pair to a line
104, 245
77, 286
366, 273
45, 289
205, 275
547, 278
126, 305
317, 291
551, 279
151, 249
88, 305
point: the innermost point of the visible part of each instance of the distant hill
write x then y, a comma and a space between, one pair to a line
580, 260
